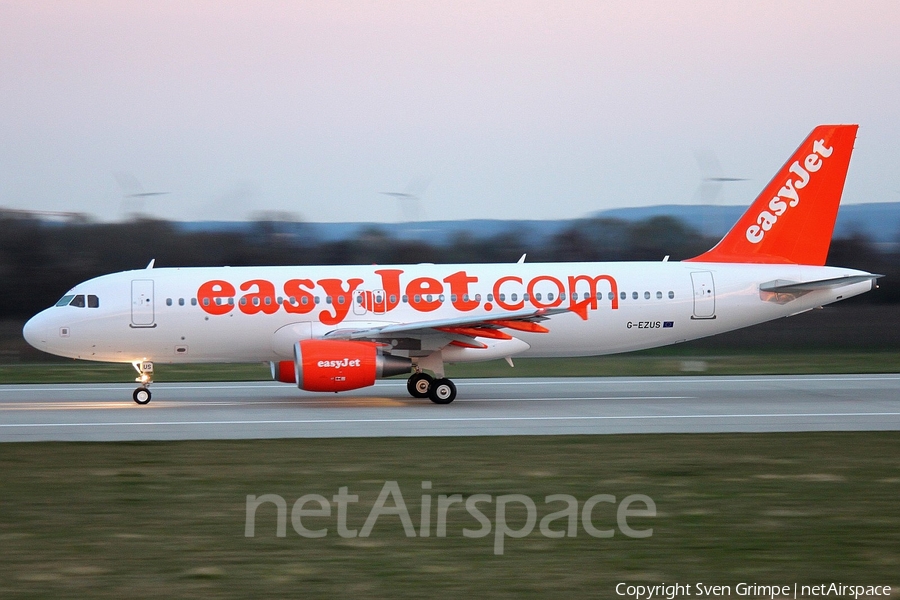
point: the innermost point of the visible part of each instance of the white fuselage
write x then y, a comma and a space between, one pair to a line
248, 314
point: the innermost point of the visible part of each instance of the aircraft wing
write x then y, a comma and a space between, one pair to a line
786, 287
461, 329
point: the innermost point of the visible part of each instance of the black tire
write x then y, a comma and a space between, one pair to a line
443, 391
141, 395
419, 385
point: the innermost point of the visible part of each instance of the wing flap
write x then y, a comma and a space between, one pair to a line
521, 320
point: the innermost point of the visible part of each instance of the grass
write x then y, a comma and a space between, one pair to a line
161, 520
656, 362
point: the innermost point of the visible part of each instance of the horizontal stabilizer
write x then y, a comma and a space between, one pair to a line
781, 286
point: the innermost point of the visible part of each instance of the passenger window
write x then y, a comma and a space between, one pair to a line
634, 295
78, 301
168, 302
623, 295
611, 295
659, 295
193, 302
646, 295
671, 295
64, 301
181, 302
93, 301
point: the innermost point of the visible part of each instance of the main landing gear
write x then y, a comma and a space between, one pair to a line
423, 385
145, 377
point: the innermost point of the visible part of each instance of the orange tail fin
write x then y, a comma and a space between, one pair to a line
793, 218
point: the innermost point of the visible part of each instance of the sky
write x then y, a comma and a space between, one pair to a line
489, 109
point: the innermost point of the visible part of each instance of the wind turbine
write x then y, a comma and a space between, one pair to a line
709, 191
410, 199
133, 194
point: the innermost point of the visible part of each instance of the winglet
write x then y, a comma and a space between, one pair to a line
792, 220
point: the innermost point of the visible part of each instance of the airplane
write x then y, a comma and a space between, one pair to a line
339, 328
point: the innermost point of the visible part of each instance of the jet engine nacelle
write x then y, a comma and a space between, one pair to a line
337, 366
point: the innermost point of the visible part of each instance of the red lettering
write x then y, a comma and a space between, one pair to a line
390, 283
419, 288
459, 287
341, 299
214, 290
263, 300
305, 301
557, 300
590, 302
502, 303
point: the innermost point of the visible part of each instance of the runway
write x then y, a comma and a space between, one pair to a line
528, 406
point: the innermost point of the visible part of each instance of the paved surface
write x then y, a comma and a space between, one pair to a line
483, 407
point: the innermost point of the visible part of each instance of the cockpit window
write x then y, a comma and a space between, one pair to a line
64, 301
80, 301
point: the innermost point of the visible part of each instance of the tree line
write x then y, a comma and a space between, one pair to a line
39, 260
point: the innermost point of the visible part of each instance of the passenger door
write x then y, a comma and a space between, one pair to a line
704, 295
142, 310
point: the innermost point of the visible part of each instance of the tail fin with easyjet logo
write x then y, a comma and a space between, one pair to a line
793, 218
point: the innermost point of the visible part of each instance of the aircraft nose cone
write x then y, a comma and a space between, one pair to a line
32, 332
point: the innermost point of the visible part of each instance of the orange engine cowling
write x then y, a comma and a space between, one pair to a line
336, 366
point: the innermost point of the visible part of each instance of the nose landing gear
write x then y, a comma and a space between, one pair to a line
145, 377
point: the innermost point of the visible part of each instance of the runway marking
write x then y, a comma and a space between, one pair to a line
451, 419
114, 404
687, 379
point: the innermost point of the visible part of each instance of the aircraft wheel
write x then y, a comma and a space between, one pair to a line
443, 391
141, 395
419, 385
